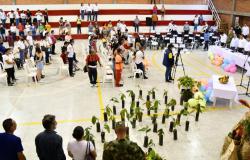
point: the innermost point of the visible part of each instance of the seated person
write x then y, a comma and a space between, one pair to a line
234, 43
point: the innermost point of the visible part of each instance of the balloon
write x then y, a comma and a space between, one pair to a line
226, 61
224, 65
204, 82
227, 68
202, 88
233, 69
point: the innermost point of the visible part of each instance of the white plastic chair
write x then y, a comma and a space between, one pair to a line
29, 73
136, 71
3, 75
108, 75
62, 67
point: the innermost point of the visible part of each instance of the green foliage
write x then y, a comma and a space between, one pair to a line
160, 132
148, 104
145, 129
88, 135
106, 127
186, 82
172, 102
156, 104
176, 123
246, 124
108, 110
151, 143
122, 96
131, 93
124, 113
94, 120
132, 105
114, 100
151, 91
152, 155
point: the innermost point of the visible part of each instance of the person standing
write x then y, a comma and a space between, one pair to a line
39, 16
89, 12
49, 143
155, 9
201, 20
118, 67
21, 47
154, 20
162, 12
30, 41
11, 16
46, 16
39, 60
168, 62
10, 39
2, 32
186, 28
70, 55
3, 18
91, 64
79, 25
206, 40
95, 12
136, 24
53, 39
11, 147
13, 30
28, 14
196, 23
122, 148
245, 31
139, 58
82, 11
237, 29
78, 148
17, 17
23, 18
8, 61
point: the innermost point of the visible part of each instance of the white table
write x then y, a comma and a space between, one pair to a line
239, 58
225, 91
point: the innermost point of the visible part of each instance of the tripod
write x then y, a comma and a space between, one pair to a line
242, 77
176, 63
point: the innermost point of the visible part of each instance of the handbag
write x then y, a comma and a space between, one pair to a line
231, 152
88, 155
85, 69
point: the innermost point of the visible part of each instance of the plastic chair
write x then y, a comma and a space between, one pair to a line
3, 75
136, 71
29, 73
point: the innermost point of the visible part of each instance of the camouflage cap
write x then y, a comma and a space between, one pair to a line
120, 125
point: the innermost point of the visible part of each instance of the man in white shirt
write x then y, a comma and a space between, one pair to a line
95, 12
139, 58
82, 11
123, 28
30, 41
242, 43
17, 17
118, 27
11, 16
89, 12
21, 46
23, 18
223, 39
8, 61
245, 31
196, 23
39, 17
234, 43
3, 17
247, 46
70, 52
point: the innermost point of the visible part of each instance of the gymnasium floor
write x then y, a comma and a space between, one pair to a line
74, 101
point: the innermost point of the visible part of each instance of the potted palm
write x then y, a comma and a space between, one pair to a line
185, 112
156, 105
123, 97
186, 84
123, 114
148, 106
107, 113
165, 95
88, 136
138, 113
96, 122
106, 127
146, 130
140, 92
131, 94
114, 100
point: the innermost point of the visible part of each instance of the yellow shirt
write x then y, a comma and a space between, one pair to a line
78, 21
48, 27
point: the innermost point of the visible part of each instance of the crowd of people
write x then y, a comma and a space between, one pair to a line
49, 144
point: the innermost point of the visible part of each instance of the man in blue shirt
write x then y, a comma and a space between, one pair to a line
168, 62
206, 40
10, 145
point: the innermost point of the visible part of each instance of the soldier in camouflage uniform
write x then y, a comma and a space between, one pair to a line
122, 148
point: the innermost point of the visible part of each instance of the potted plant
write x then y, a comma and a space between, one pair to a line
113, 120
171, 104
156, 105
165, 95
186, 84
146, 130
123, 97
152, 155
154, 118
133, 122
106, 127
131, 94
132, 107
155, 127
160, 134
175, 124
107, 113
88, 136
185, 112
148, 106
140, 92
152, 92
198, 103
96, 122
138, 113
114, 100
123, 114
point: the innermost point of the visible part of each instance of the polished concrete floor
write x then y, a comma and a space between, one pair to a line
74, 101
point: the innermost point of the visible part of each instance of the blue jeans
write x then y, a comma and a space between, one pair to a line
82, 15
195, 27
168, 73
22, 58
17, 22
